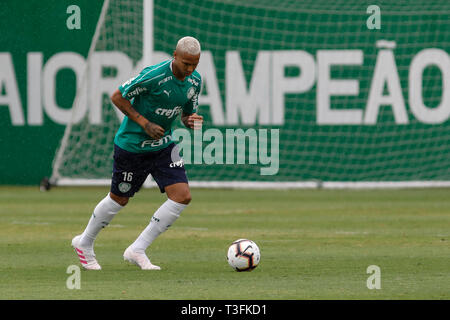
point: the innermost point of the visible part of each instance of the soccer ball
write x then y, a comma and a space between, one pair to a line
243, 255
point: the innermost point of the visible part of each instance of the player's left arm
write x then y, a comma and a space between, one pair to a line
192, 121
190, 118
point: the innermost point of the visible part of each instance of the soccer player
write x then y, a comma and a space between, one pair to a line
151, 102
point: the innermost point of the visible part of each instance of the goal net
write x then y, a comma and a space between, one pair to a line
295, 93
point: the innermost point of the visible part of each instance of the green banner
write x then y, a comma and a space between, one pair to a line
33, 33
358, 92
292, 90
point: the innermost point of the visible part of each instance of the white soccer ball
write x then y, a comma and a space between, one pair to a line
243, 255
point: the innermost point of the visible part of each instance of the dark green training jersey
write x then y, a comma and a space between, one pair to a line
160, 97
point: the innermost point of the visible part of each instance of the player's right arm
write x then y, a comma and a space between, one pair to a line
124, 105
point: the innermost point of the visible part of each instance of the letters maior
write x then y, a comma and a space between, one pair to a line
261, 100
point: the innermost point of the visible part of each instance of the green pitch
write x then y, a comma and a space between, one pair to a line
315, 244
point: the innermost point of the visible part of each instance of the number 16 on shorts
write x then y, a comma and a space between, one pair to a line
125, 186
127, 176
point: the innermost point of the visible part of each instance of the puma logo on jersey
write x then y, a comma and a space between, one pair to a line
167, 92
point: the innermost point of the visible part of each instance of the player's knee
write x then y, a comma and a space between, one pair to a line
183, 198
123, 202
187, 198
120, 200
179, 193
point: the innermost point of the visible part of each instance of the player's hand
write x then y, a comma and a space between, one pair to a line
153, 130
193, 121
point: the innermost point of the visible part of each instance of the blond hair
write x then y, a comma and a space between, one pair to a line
188, 45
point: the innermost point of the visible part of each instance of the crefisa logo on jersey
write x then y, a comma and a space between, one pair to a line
169, 113
136, 91
179, 163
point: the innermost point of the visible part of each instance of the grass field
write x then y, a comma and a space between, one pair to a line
315, 244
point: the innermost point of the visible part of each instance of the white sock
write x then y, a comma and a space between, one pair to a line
162, 219
104, 212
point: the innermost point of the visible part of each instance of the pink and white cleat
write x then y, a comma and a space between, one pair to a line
86, 255
139, 259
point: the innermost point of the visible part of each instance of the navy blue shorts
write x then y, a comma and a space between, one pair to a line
130, 170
